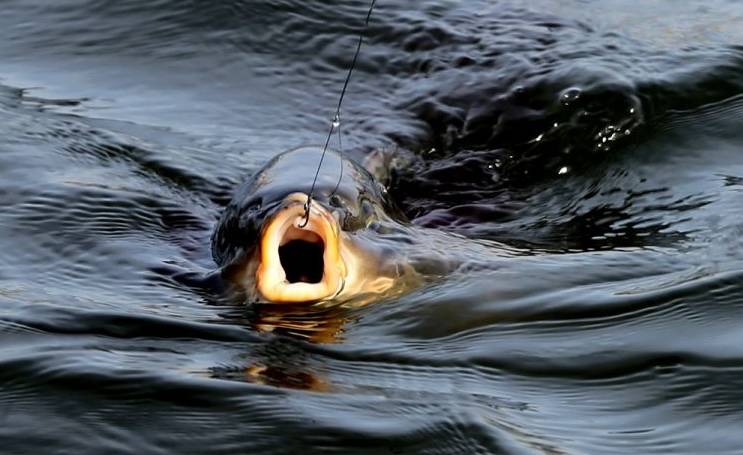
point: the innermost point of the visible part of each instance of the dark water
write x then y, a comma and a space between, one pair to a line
599, 143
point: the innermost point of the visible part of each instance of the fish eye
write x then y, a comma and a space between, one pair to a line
336, 201
254, 206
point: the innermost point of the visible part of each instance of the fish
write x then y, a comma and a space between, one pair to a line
346, 250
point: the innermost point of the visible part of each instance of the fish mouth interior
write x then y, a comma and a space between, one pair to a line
301, 255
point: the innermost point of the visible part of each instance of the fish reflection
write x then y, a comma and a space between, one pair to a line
316, 324
283, 362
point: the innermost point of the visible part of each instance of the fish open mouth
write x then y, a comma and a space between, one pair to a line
300, 263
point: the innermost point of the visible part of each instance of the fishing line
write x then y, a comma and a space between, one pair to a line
340, 148
336, 123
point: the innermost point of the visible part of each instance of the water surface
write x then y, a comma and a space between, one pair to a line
588, 154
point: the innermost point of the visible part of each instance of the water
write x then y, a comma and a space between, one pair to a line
588, 153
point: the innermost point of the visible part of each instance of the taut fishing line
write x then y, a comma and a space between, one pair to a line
336, 123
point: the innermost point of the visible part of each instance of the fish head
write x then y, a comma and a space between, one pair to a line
289, 251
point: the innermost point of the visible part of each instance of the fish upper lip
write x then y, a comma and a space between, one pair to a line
284, 226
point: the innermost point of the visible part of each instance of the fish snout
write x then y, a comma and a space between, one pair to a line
298, 261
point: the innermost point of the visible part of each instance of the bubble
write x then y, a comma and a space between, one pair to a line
570, 96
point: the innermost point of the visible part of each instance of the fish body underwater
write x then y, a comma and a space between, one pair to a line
263, 245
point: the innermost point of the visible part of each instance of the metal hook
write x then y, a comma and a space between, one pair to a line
306, 212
